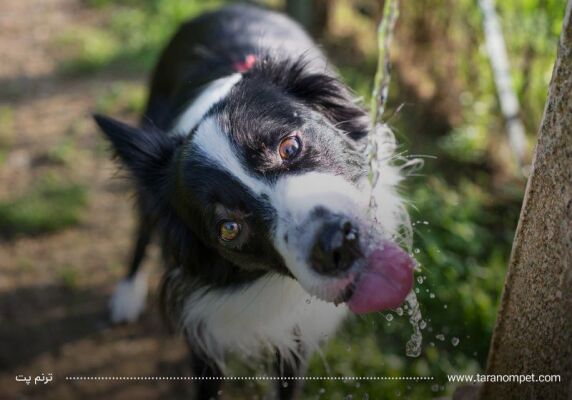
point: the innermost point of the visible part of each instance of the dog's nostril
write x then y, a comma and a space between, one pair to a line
336, 257
350, 233
347, 227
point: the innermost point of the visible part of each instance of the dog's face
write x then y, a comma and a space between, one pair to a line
273, 178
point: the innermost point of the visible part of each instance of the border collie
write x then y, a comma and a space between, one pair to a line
249, 164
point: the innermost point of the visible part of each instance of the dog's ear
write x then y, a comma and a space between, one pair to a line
323, 92
147, 153
329, 96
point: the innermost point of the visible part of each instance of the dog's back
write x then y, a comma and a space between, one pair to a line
214, 45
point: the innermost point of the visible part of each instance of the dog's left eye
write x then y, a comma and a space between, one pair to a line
289, 147
229, 230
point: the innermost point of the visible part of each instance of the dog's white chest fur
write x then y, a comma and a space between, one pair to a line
272, 313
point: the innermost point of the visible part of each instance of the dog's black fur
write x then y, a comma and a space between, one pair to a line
289, 86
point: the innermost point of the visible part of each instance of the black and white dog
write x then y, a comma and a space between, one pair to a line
249, 164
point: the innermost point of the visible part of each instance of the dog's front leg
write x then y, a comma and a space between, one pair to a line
210, 376
289, 387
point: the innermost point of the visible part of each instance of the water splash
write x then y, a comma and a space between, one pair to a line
413, 346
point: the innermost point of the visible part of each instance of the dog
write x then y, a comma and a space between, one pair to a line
249, 164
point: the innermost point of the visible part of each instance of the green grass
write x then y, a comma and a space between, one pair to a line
130, 39
122, 97
49, 206
68, 276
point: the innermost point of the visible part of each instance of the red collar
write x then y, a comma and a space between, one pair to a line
246, 64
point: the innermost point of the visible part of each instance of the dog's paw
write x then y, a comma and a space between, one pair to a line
128, 300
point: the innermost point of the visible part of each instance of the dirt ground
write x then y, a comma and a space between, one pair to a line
47, 325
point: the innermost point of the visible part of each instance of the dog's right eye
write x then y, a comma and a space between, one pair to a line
228, 230
290, 147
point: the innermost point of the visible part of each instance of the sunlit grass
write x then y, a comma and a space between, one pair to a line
122, 97
130, 39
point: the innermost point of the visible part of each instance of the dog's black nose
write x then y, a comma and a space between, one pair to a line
336, 247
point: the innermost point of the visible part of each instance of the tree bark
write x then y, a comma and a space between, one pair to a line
533, 334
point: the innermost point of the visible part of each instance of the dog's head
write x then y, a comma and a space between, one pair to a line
272, 177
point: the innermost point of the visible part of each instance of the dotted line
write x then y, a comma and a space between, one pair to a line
248, 378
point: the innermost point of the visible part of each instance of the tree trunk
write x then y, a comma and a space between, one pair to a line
533, 334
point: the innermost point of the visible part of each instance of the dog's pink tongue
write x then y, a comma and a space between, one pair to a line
385, 282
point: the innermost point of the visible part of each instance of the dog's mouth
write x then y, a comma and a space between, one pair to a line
380, 281
383, 282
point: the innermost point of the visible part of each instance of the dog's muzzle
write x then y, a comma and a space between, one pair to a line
329, 245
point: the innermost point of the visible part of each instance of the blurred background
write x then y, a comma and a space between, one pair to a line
66, 215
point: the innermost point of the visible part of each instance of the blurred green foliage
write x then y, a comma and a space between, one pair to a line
48, 206
465, 205
131, 37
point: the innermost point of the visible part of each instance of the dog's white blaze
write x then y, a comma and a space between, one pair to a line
271, 313
128, 300
215, 146
212, 94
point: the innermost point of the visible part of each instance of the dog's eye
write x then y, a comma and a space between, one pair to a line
290, 147
229, 230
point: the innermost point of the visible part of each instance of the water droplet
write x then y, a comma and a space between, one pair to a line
432, 295
455, 341
285, 384
432, 344
399, 311
435, 387
389, 317
349, 348
425, 222
416, 251
422, 324
322, 391
308, 301
440, 337
420, 280
416, 290
445, 306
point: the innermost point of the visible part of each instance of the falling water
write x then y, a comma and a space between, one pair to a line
413, 346
377, 153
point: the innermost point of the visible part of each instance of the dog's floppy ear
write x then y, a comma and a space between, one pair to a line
333, 99
147, 153
323, 92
